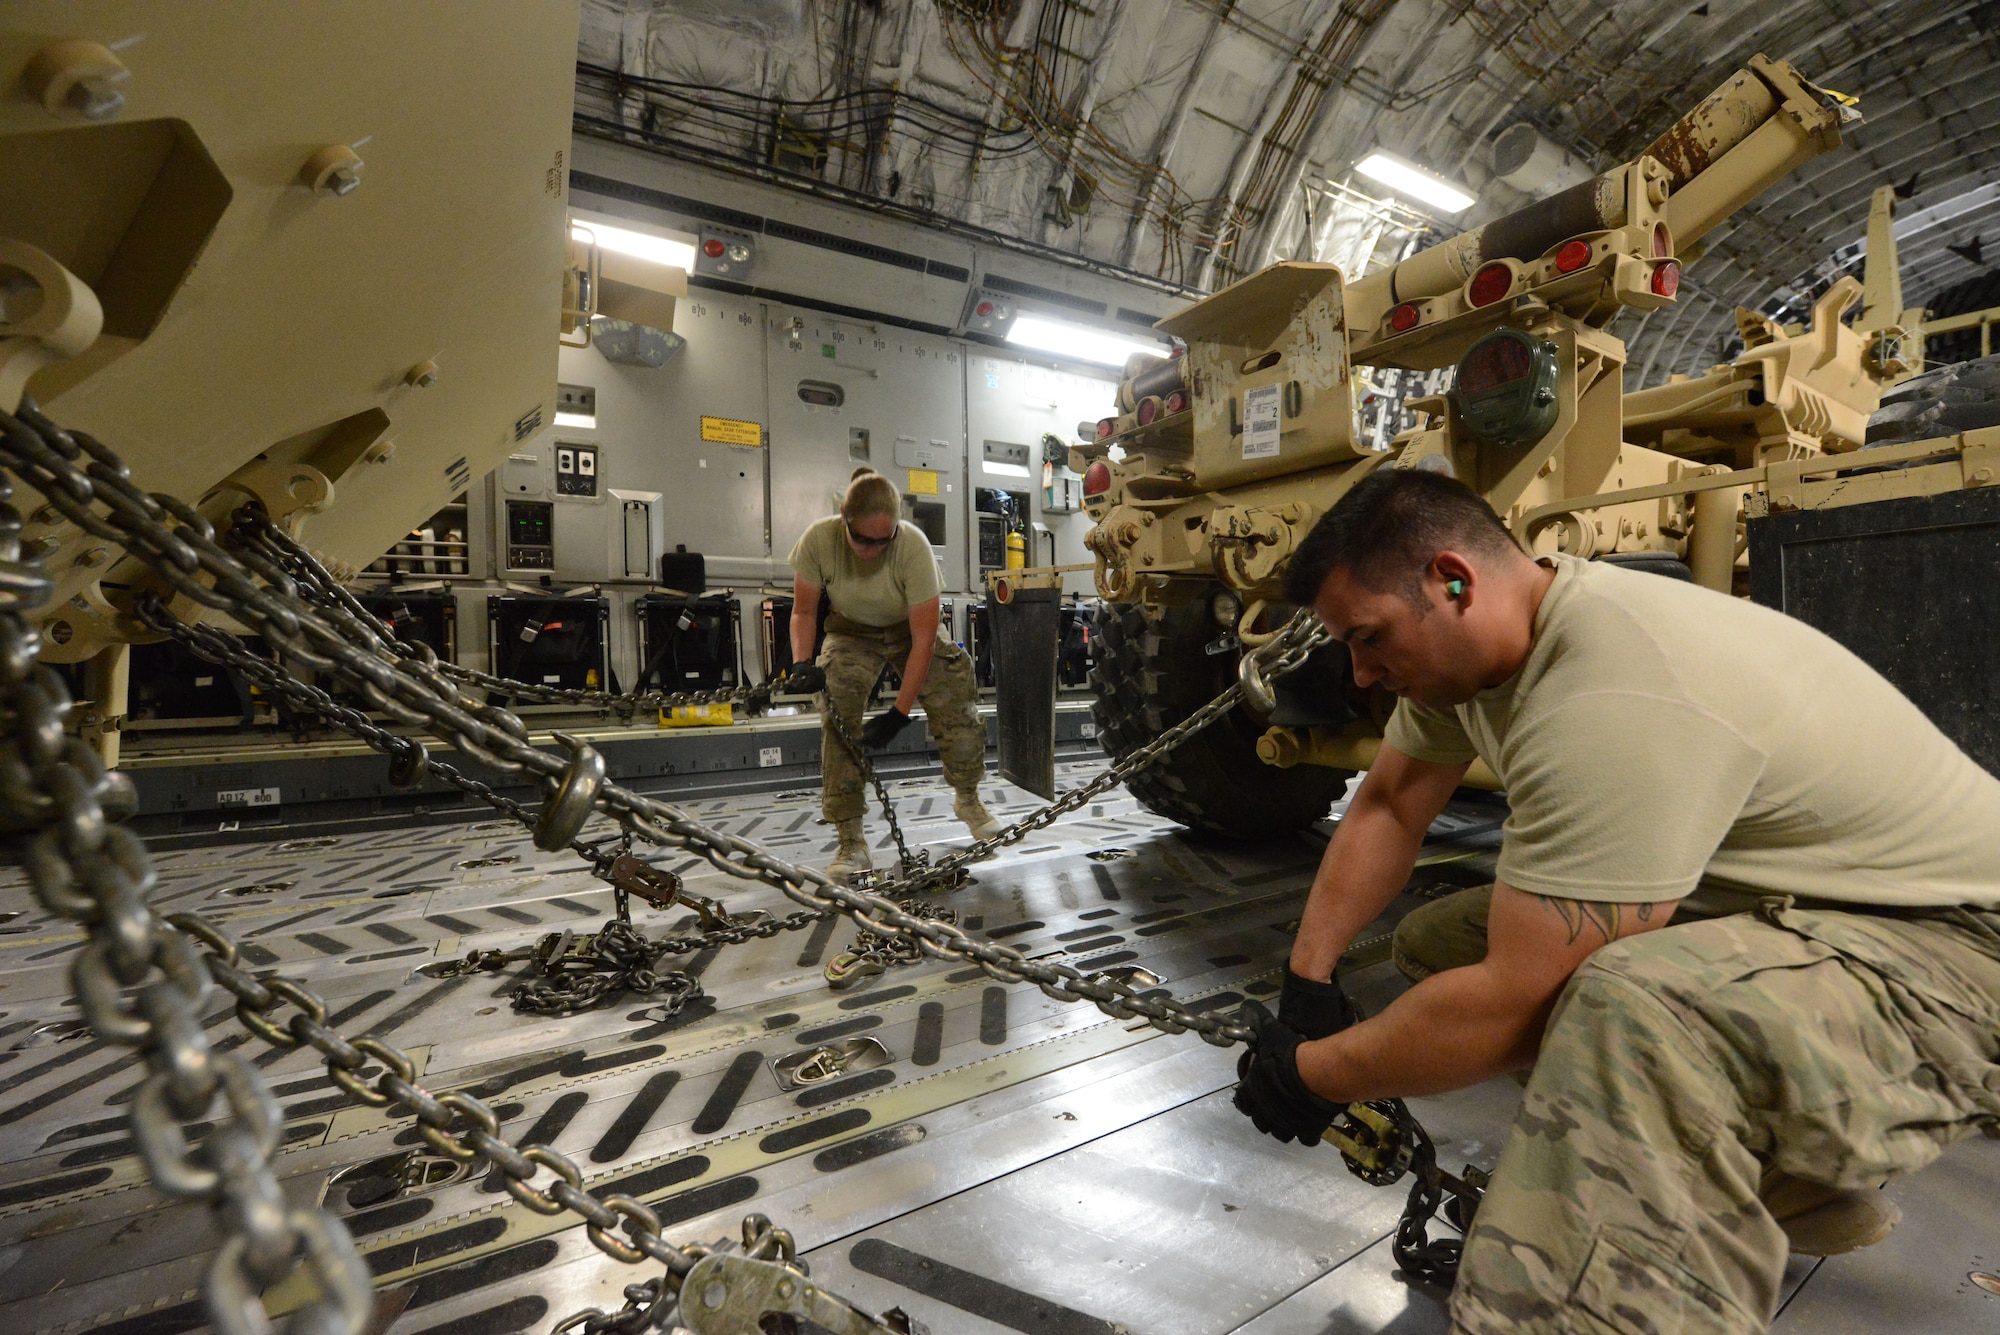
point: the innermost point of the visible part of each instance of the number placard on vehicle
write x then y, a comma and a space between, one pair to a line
768, 756
1260, 422
247, 797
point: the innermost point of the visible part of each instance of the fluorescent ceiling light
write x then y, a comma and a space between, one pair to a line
639, 245
1078, 343
586, 420
1415, 182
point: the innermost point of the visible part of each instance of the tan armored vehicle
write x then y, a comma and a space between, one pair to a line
1222, 458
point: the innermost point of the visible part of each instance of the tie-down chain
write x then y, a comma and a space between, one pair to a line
179, 545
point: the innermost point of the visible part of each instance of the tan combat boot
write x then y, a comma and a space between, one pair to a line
1826, 1221
977, 818
853, 854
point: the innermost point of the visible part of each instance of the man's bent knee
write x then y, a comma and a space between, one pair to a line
1448, 933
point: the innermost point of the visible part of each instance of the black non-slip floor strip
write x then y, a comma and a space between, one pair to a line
396, 1019
871, 1146
507, 1318
478, 1274
816, 941
632, 1119
993, 1016
929, 1041
271, 927
715, 1113
826, 1033
989, 1299
834, 1091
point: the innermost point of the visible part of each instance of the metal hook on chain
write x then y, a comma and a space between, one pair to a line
569, 807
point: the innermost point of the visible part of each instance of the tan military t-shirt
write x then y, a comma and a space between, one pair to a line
1662, 734
877, 592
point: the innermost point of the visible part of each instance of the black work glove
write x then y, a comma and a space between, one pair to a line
1271, 1094
881, 730
804, 679
1314, 1010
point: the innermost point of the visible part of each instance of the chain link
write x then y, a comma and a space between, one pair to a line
1419, 1256
142, 984
1285, 652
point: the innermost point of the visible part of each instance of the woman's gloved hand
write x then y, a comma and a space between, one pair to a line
803, 679
881, 730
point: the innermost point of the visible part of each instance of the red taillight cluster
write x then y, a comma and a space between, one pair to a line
1097, 479
1177, 401
1107, 427
1404, 318
1573, 256
1490, 284
1663, 241
1666, 278
1149, 410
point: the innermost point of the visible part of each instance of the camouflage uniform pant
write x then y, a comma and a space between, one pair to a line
949, 699
1842, 1048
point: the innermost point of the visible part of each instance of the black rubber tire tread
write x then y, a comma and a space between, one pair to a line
1151, 673
1963, 396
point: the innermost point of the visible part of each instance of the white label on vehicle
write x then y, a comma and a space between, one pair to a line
1090, 729
768, 756
247, 797
552, 679
1260, 423
204, 681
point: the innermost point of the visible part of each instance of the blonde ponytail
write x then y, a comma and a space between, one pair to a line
869, 493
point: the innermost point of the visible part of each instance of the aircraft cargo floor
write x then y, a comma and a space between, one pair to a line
1018, 1164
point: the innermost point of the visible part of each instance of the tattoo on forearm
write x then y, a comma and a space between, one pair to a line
1580, 916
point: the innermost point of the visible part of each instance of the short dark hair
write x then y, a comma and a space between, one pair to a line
1388, 530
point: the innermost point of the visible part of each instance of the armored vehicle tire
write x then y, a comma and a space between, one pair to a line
1962, 396
1152, 673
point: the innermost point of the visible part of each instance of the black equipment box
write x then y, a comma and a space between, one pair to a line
688, 644
552, 641
1075, 650
1912, 586
684, 571
170, 682
1077, 653
423, 616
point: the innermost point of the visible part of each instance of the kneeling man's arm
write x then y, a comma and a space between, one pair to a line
1463, 1026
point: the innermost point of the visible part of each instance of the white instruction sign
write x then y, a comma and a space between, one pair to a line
1260, 422
768, 756
247, 797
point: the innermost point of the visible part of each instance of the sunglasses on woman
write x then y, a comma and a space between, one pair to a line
863, 540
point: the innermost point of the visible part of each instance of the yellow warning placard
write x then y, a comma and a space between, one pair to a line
923, 482
731, 431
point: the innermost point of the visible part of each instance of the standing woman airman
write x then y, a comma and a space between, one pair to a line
882, 582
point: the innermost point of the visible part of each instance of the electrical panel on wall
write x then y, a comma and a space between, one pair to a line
576, 470
531, 535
